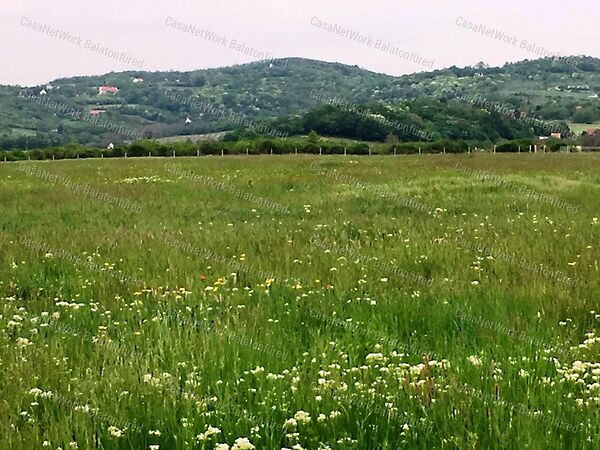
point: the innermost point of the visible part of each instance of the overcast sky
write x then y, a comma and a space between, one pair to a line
419, 34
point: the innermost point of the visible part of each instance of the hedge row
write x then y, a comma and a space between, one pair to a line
263, 146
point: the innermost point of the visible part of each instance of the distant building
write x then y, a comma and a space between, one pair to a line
43, 92
103, 90
555, 135
188, 120
96, 112
110, 146
590, 131
138, 80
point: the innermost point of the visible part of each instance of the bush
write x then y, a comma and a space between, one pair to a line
358, 148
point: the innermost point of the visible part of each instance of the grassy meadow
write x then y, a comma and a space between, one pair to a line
301, 302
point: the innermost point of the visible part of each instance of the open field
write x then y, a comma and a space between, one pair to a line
432, 301
579, 128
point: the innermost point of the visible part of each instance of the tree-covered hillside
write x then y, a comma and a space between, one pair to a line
293, 93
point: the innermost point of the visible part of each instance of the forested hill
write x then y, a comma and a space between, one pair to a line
156, 104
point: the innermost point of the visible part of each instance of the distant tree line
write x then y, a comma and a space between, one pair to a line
311, 144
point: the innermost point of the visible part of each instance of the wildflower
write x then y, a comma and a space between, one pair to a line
291, 423
208, 433
416, 369
35, 391
476, 361
242, 444
114, 431
23, 342
373, 357
221, 447
302, 417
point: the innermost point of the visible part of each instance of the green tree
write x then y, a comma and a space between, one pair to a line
313, 137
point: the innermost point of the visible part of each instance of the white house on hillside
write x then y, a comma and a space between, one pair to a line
103, 90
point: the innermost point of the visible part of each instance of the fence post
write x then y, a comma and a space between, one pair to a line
149, 154
197, 152
494, 148
271, 151
246, 151
296, 150
101, 155
320, 151
369, 150
222, 152
394, 150
125, 154
444, 150
469, 151
173, 153
419, 150
53, 157
345, 152
519, 149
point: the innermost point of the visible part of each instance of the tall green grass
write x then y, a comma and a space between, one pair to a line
251, 327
